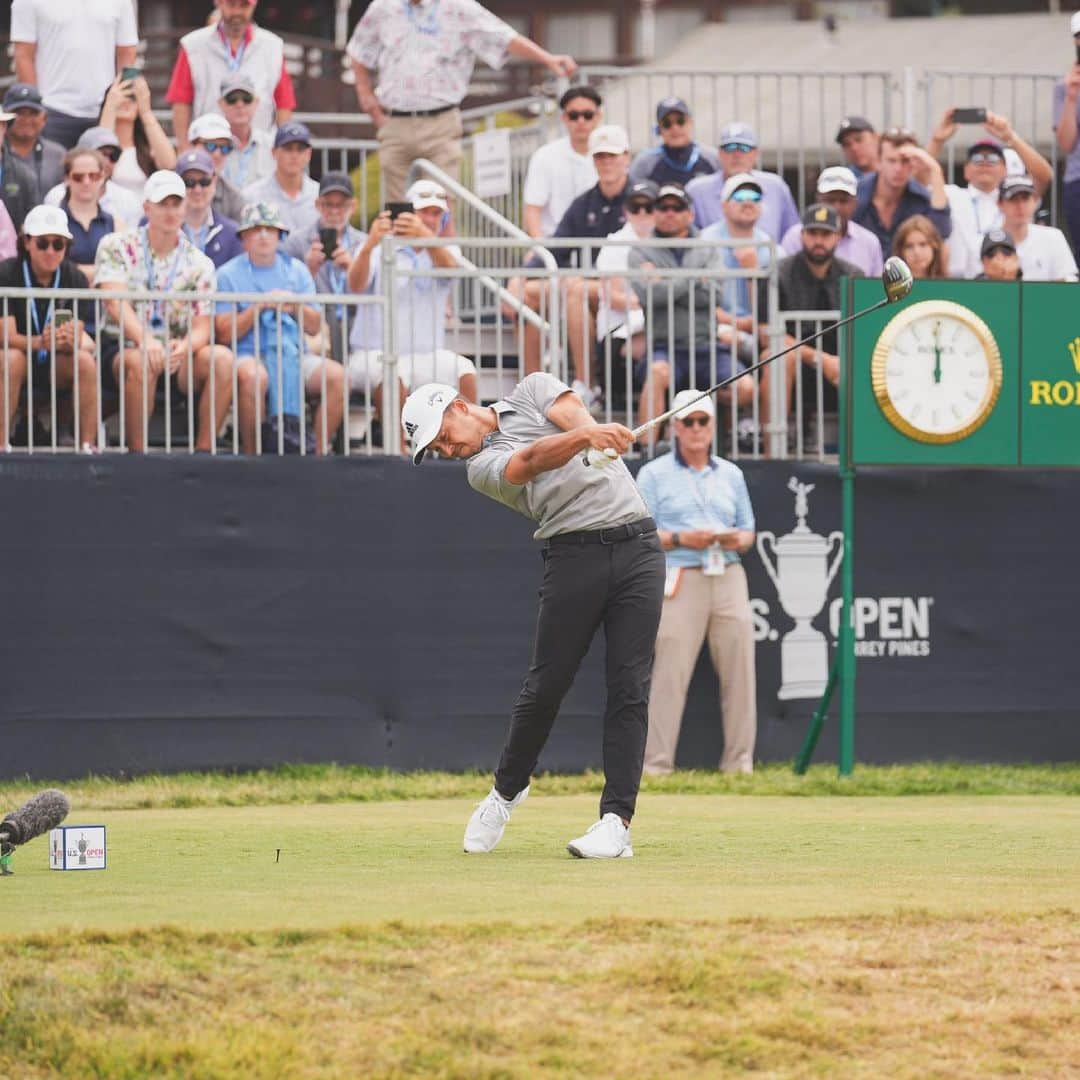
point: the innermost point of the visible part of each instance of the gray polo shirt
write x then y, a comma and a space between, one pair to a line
569, 499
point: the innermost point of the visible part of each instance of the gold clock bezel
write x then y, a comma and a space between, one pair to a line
885, 341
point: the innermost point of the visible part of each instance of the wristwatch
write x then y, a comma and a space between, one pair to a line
675, 541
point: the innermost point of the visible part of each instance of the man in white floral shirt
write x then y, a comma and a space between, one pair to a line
147, 339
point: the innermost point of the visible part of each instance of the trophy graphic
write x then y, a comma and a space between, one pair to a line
82, 849
801, 571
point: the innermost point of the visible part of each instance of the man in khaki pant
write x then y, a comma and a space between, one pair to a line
705, 521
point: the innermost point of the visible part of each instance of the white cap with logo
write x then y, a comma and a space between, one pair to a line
163, 183
422, 415
609, 139
689, 402
837, 178
425, 193
736, 181
46, 221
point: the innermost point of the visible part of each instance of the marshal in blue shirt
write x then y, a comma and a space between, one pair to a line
681, 498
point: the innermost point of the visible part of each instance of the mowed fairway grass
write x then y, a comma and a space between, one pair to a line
931, 935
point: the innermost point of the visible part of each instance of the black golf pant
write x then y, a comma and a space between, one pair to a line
618, 584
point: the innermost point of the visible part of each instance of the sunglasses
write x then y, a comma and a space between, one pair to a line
673, 120
698, 420
986, 159
746, 195
212, 146
641, 208
83, 177
582, 114
193, 182
43, 243
239, 97
671, 208
736, 148
111, 153
899, 133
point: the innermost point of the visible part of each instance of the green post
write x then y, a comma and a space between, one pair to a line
802, 762
845, 645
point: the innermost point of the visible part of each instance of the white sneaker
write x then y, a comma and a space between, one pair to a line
489, 820
607, 838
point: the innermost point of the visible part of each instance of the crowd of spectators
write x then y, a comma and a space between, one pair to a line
226, 203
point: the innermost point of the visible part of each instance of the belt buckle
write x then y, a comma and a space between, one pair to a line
614, 529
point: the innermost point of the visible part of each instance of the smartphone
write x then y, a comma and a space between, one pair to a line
61, 316
398, 208
969, 116
129, 73
329, 240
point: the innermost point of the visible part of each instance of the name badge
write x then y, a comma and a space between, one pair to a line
715, 563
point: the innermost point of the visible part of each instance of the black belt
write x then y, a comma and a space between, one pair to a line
615, 534
419, 112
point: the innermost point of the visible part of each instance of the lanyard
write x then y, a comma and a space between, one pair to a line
42, 353
696, 483
691, 161
430, 25
232, 61
157, 307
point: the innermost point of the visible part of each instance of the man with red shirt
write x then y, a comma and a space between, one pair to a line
234, 44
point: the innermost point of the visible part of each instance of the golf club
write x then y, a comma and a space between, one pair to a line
896, 279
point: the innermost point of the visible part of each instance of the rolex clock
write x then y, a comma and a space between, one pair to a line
936, 371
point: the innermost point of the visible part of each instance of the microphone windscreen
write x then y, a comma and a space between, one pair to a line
36, 816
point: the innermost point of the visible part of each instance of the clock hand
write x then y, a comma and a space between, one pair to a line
937, 353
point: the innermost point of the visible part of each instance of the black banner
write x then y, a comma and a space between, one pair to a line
175, 613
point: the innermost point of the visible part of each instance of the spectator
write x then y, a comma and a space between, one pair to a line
859, 142
44, 156
212, 133
265, 268
144, 146
32, 334
705, 522
214, 235
19, 191
919, 244
121, 203
9, 239
562, 169
974, 209
807, 281
838, 188
289, 187
336, 205
252, 157
71, 51
999, 259
424, 51
419, 303
908, 182
88, 220
1043, 250
232, 45
678, 158
739, 154
683, 311
1066, 127
146, 340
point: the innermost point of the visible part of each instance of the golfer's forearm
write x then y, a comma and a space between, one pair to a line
550, 452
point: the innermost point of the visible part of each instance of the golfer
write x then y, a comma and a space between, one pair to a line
603, 566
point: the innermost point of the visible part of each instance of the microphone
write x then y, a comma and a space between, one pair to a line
36, 816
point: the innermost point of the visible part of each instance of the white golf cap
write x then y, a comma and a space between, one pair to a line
46, 221
687, 405
609, 139
422, 415
1014, 163
426, 193
163, 183
1074, 23
736, 181
210, 126
837, 178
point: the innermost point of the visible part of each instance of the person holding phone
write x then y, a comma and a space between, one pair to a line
1066, 130
144, 146
48, 336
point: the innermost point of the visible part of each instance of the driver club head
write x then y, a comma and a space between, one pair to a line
896, 279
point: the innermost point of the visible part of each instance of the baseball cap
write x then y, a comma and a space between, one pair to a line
737, 133
422, 415
261, 214
837, 178
686, 405
293, 131
820, 216
426, 193
194, 160
736, 181
210, 126
996, 238
237, 80
96, 137
642, 189
22, 95
986, 142
609, 139
161, 184
1074, 23
673, 191
336, 181
850, 124
670, 105
1014, 163
1015, 185
46, 221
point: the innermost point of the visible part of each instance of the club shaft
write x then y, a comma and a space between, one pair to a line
657, 420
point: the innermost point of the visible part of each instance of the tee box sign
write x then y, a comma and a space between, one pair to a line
77, 847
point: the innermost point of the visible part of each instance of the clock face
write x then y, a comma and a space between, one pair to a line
936, 371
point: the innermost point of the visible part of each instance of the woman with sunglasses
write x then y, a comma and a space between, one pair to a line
144, 146
252, 158
88, 220
46, 337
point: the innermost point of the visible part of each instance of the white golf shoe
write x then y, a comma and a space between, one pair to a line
607, 838
488, 821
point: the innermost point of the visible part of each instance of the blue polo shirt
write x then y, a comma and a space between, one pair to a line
218, 239
84, 243
681, 499
915, 200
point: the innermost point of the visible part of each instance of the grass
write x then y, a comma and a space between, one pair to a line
295, 784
